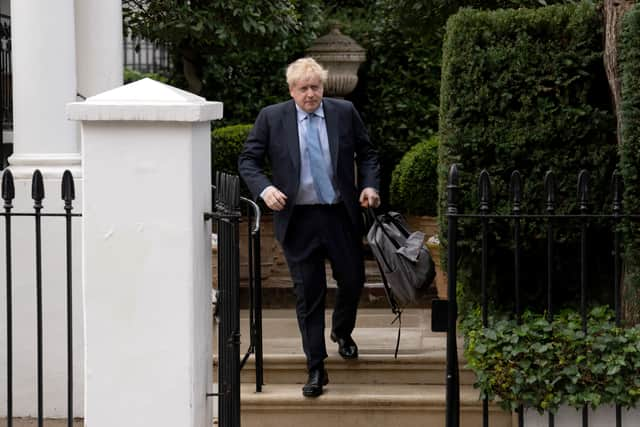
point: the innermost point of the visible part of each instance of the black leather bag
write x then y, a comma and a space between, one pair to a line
405, 262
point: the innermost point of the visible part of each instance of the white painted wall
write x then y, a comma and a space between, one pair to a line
147, 255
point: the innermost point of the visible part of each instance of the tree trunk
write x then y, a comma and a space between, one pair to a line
614, 10
192, 69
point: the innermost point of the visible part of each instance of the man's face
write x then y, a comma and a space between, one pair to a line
307, 93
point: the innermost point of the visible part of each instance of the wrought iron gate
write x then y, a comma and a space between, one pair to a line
227, 215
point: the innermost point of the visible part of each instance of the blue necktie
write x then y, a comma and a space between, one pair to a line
321, 180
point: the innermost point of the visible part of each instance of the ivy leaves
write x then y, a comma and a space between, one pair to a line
542, 364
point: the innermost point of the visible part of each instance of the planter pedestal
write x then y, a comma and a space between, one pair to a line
441, 277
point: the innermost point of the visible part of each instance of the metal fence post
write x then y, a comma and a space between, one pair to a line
453, 386
228, 217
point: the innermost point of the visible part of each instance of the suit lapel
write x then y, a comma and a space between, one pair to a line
290, 124
331, 119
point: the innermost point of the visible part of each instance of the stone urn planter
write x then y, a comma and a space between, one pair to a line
341, 56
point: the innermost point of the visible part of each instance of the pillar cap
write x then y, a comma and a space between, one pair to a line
145, 100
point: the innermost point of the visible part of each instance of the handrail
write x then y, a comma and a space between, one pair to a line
255, 285
257, 213
256, 210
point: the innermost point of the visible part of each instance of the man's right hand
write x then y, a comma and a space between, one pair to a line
274, 198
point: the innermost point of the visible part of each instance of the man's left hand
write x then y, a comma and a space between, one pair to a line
369, 198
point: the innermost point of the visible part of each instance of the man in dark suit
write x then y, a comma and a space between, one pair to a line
312, 144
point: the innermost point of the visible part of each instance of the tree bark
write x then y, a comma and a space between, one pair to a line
192, 69
614, 10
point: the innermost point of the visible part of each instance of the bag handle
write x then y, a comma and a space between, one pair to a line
386, 233
395, 309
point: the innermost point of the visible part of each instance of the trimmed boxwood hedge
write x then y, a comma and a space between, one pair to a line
526, 89
414, 188
226, 145
630, 151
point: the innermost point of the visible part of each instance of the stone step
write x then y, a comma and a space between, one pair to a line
421, 357
357, 405
427, 369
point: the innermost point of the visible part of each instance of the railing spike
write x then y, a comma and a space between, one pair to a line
484, 190
583, 189
515, 189
452, 189
616, 191
68, 187
550, 189
37, 188
8, 188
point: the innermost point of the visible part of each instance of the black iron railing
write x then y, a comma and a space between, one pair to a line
6, 116
6, 91
146, 57
553, 222
227, 216
37, 192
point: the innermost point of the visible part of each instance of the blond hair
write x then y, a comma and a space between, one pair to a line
305, 68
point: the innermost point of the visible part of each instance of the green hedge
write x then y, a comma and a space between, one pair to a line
630, 153
525, 89
226, 145
398, 92
414, 188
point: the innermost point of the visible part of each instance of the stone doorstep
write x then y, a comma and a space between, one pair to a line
407, 369
421, 357
375, 333
373, 296
279, 323
356, 405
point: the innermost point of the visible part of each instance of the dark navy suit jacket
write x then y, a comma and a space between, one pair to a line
275, 136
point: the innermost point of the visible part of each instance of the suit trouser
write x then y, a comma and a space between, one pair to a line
316, 233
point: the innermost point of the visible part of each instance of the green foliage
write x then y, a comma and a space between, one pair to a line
525, 89
212, 25
133, 75
226, 145
630, 148
399, 89
542, 364
414, 181
232, 51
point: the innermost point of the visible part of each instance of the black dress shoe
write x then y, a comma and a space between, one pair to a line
346, 346
317, 379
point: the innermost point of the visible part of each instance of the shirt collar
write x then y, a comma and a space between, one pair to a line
303, 114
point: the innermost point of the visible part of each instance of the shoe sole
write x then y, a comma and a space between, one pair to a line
311, 394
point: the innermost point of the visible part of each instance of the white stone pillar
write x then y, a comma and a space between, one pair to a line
44, 81
98, 45
147, 251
